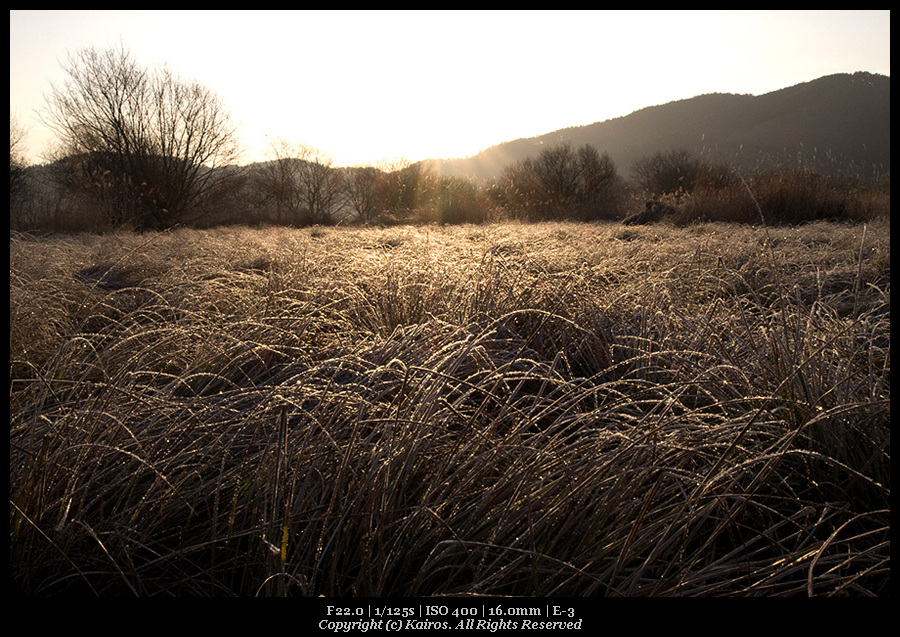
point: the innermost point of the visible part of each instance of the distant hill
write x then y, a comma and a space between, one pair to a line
847, 116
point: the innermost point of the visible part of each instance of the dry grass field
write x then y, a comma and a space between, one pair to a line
554, 409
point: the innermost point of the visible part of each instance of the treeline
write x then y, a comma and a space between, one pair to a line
301, 187
143, 149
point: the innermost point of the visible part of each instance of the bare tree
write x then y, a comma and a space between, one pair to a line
405, 188
360, 188
599, 185
144, 142
16, 160
275, 181
677, 172
299, 181
562, 183
390, 187
320, 185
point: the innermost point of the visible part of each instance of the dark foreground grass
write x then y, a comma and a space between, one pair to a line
544, 410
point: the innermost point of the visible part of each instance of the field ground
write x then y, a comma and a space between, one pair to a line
511, 409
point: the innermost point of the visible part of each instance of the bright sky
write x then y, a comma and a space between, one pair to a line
370, 85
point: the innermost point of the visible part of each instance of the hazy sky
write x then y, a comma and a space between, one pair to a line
370, 85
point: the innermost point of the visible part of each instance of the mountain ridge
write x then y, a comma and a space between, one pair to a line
839, 116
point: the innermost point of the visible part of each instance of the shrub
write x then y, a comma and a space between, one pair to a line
677, 172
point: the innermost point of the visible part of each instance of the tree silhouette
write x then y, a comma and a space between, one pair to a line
562, 183
144, 142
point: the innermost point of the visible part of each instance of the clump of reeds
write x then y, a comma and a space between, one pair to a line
788, 195
541, 410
